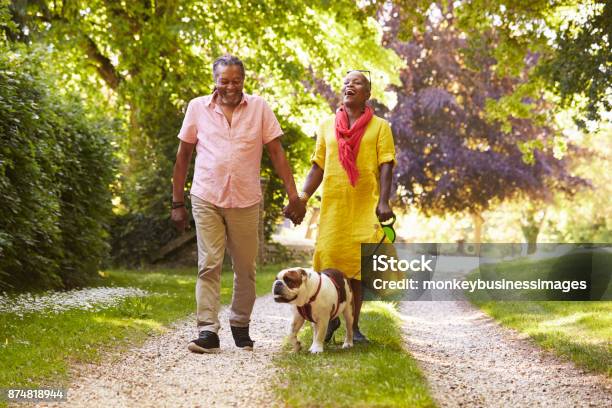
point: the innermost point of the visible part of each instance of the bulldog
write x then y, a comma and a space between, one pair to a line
318, 298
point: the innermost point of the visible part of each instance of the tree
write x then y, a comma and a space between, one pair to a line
455, 154
581, 65
572, 39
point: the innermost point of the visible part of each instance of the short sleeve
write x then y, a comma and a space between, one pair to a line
318, 156
189, 129
385, 148
270, 126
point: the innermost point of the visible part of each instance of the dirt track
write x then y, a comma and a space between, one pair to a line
471, 361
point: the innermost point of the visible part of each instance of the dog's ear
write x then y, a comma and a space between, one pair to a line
293, 278
303, 273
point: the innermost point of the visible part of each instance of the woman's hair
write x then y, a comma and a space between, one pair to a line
227, 60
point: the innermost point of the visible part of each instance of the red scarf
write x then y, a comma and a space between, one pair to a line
350, 139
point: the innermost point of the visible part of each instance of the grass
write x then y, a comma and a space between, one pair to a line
379, 374
578, 330
37, 349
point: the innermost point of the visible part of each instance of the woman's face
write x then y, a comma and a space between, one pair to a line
356, 89
229, 83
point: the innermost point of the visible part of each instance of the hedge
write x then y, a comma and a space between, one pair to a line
56, 165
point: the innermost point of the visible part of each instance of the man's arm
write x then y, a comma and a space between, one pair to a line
313, 180
296, 209
383, 210
183, 158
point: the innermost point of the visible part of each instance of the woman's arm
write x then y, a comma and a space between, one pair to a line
313, 180
383, 210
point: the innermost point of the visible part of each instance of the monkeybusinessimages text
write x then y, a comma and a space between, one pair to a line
384, 263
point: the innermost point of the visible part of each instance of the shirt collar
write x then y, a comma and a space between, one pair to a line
211, 102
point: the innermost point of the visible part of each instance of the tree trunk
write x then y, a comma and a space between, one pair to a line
478, 222
531, 224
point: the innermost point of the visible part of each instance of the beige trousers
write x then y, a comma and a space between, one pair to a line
216, 228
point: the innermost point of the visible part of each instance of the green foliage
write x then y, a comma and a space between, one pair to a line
569, 41
581, 66
56, 163
6, 24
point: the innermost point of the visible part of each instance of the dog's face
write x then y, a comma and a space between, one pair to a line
288, 284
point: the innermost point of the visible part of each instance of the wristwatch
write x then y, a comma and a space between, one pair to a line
177, 204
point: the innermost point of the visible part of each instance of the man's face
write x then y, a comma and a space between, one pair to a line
229, 82
356, 90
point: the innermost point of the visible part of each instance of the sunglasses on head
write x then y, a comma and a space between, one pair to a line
362, 71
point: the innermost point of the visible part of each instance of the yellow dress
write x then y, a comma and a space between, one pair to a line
348, 214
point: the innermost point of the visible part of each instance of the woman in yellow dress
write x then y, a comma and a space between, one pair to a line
354, 159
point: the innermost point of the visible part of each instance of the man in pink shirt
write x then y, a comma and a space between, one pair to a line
228, 130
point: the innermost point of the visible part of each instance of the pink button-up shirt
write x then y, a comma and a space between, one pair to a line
228, 158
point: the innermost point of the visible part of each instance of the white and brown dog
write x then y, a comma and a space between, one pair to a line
318, 298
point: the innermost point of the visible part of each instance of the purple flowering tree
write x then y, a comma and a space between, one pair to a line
452, 158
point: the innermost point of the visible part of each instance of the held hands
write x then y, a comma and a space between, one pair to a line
383, 211
295, 210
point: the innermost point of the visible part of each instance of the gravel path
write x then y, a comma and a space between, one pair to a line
471, 361
163, 373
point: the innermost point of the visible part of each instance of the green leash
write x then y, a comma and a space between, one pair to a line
389, 232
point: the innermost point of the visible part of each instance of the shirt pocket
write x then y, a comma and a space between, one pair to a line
249, 137
249, 130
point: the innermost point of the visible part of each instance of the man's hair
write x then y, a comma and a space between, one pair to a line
227, 60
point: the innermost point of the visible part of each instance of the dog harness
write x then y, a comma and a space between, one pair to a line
306, 309
335, 276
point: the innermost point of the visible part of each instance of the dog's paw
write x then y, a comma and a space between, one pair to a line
316, 349
347, 345
297, 346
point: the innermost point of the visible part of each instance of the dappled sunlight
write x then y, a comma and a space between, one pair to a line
379, 307
90, 299
184, 282
129, 322
581, 327
565, 320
